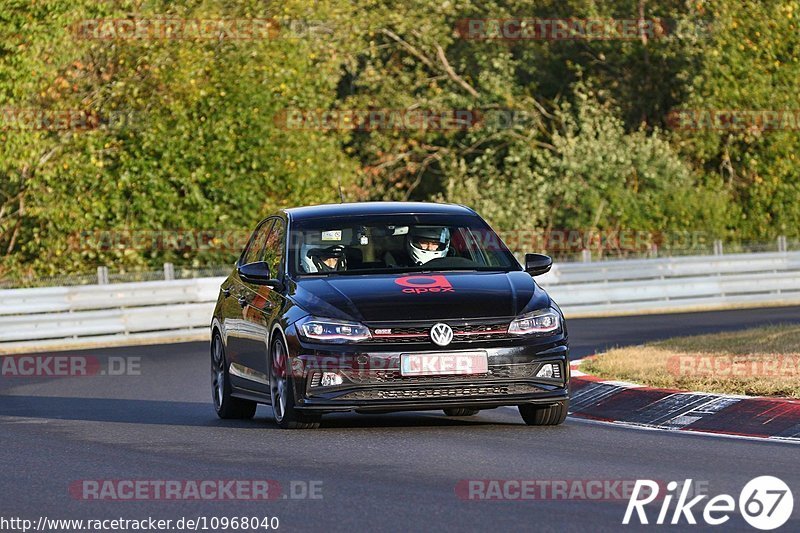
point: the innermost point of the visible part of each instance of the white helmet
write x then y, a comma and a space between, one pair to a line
436, 242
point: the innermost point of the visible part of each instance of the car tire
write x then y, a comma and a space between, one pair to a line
281, 387
460, 411
226, 406
544, 415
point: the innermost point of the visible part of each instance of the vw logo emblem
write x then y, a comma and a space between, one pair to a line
441, 334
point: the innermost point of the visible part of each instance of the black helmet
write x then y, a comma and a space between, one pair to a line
319, 255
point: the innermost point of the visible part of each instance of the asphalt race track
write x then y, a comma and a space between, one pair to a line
395, 472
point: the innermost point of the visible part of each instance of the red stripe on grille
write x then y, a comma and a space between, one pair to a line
392, 335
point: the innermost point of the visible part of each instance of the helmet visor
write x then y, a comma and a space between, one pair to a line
428, 244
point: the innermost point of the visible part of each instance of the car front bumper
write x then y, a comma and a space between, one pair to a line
372, 382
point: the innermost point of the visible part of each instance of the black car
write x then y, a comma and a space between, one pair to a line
379, 307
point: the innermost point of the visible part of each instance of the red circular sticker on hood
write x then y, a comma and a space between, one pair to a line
420, 284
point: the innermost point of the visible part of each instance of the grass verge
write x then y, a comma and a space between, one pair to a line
758, 362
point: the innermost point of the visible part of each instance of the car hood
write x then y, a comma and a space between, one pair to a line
429, 296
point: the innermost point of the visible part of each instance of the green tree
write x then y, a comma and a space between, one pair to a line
751, 62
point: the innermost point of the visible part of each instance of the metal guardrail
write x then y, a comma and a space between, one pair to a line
671, 267
119, 295
156, 309
680, 284
54, 316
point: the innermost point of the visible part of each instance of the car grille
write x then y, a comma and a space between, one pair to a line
377, 377
462, 332
441, 392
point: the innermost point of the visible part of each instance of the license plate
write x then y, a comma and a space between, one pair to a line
443, 364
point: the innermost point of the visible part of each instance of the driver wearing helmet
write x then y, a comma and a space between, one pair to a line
329, 259
424, 243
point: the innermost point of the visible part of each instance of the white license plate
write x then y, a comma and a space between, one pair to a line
443, 364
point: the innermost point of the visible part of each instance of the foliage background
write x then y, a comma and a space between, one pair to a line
200, 147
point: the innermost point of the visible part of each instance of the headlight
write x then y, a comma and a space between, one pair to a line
333, 331
536, 322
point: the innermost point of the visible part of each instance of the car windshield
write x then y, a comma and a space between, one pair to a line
395, 244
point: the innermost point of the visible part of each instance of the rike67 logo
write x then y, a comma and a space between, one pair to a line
765, 503
422, 284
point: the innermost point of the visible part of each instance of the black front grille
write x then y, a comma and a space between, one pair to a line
379, 377
462, 332
441, 392
480, 328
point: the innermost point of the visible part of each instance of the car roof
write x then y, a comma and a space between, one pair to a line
376, 208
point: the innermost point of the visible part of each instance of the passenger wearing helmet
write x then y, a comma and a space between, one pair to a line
424, 243
329, 259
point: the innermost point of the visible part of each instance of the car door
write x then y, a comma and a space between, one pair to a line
263, 304
237, 305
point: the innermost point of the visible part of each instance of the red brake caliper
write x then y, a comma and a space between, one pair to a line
279, 364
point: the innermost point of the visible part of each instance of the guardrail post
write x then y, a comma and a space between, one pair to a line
586, 256
169, 271
718, 247
782, 243
102, 275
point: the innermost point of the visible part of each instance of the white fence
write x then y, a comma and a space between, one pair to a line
182, 309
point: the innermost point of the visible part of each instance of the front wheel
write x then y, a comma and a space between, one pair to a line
226, 405
281, 388
544, 415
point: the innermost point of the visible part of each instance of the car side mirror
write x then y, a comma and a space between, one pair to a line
537, 264
258, 274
